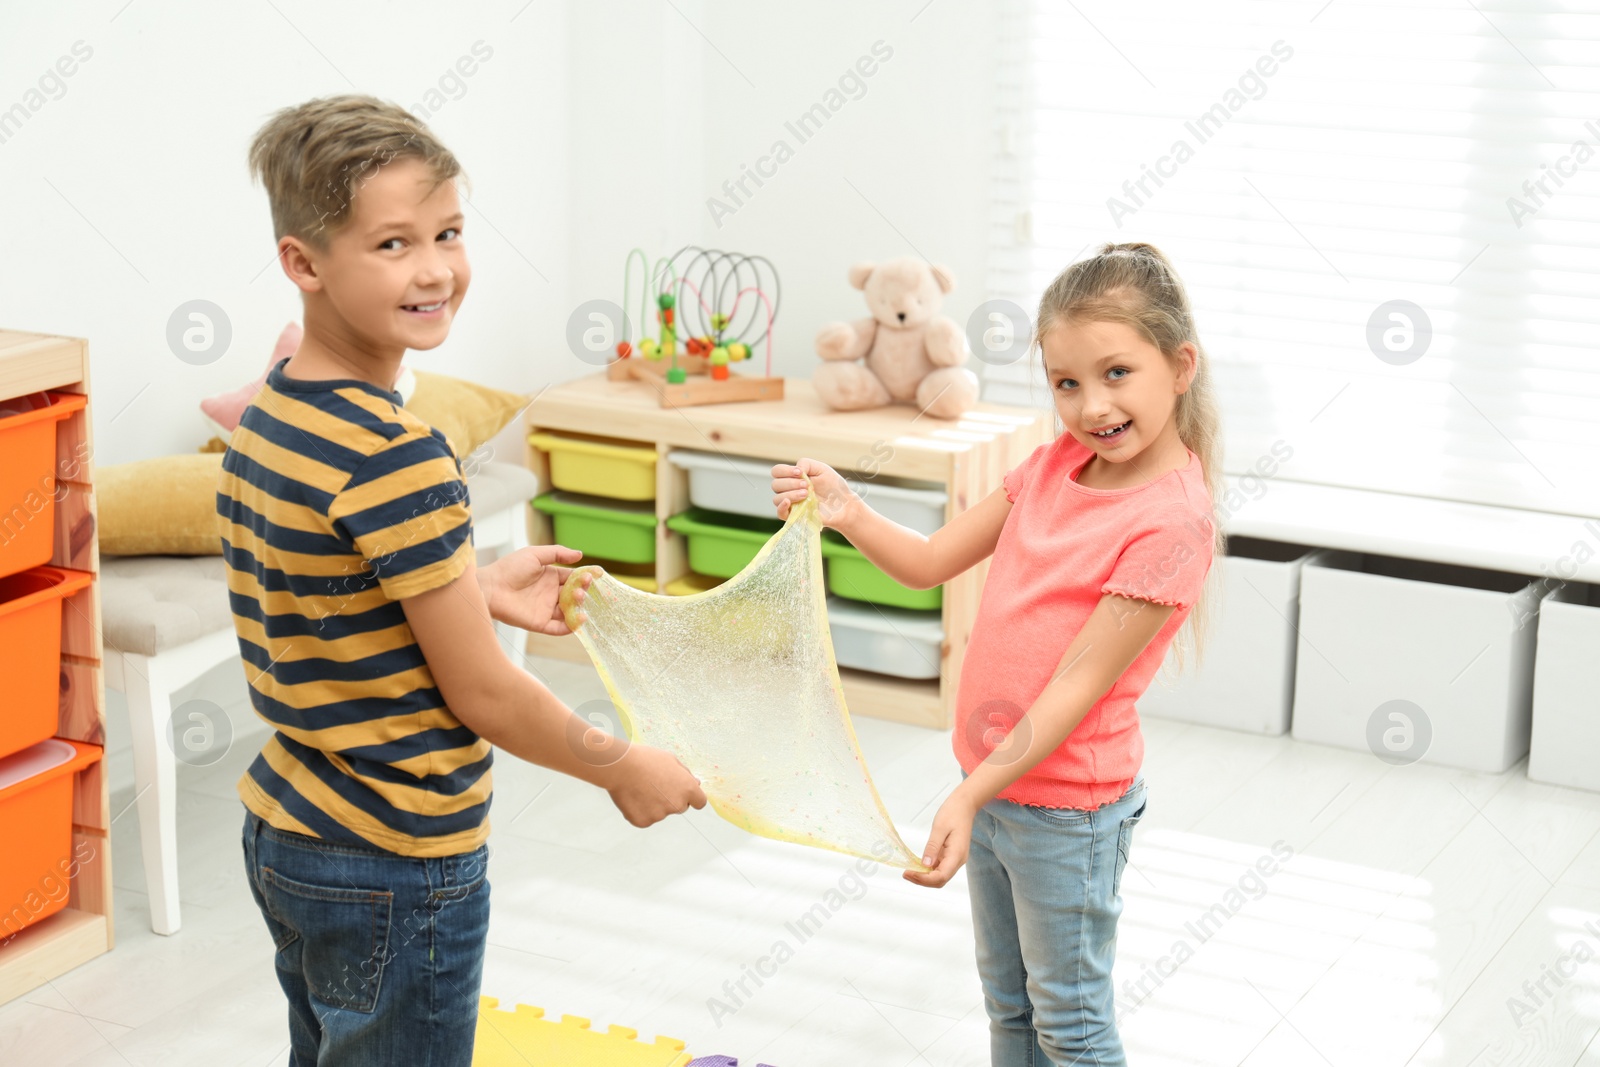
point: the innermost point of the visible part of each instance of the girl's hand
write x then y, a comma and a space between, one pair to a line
948, 842
837, 503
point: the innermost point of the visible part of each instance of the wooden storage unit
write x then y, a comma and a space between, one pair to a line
967, 457
30, 363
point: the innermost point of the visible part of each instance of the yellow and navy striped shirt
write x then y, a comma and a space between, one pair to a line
334, 504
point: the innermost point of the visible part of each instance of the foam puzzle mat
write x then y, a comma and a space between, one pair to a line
523, 1037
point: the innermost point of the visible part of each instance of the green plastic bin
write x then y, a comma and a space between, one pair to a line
852, 575
597, 526
722, 544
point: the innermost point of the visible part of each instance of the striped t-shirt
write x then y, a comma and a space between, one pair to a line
334, 504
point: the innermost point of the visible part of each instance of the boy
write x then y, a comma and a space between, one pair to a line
364, 624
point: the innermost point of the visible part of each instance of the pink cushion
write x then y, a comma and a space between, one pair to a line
226, 409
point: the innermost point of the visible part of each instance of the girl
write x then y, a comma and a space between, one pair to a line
1102, 540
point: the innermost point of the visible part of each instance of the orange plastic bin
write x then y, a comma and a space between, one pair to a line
30, 653
28, 476
36, 830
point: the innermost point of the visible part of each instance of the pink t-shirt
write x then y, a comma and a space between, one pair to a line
1063, 546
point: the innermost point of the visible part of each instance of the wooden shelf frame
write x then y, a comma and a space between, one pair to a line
29, 363
967, 457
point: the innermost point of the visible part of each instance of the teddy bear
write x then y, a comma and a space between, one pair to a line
905, 353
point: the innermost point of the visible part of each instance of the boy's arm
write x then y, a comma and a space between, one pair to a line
1117, 630
910, 558
507, 706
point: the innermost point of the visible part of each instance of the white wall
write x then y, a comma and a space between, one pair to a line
635, 100
592, 128
903, 170
155, 206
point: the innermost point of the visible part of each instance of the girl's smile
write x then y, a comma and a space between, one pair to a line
1114, 432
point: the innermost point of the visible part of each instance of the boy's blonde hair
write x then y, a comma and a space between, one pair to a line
1135, 284
312, 157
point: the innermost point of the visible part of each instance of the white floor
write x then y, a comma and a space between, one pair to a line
1416, 905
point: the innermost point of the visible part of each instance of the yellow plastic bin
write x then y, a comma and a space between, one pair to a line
641, 576
691, 583
599, 467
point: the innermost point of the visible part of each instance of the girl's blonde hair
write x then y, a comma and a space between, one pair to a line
1135, 284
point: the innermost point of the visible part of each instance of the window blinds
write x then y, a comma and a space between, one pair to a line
1387, 216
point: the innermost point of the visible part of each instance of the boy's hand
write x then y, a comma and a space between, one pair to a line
524, 588
948, 842
654, 785
837, 503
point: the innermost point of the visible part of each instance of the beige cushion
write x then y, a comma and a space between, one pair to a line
494, 487
149, 604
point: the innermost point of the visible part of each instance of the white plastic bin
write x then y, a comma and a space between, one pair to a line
1566, 689
1410, 660
869, 637
744, 487
1246, 679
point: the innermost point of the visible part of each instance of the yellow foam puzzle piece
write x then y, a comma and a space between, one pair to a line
739, 682
524, 1036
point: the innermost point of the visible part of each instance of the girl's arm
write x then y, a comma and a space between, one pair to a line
1116, 632
910, 558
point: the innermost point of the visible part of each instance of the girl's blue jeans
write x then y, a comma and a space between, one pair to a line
380, 955
1046, 893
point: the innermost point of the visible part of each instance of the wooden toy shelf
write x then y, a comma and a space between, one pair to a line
967, 457
29, 363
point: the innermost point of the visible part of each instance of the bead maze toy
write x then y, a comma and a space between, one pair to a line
722, 304
524, 1036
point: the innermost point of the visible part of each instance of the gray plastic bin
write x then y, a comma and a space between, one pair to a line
907, 644
744, 487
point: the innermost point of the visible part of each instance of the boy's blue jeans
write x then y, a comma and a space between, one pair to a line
380, 955
1046, 893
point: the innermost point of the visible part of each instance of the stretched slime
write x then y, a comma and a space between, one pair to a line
739, 682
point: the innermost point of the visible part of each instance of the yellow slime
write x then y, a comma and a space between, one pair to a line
739, 682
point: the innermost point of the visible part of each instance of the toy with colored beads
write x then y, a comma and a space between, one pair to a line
720, 305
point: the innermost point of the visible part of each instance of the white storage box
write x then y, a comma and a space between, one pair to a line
1246, 678
744, 487
1566, 689
869, 637
1415, 660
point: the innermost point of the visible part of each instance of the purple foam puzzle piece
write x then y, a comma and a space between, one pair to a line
720, 1061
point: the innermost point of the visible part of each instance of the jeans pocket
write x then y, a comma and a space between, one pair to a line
1124, 842
1060, 816
343, 933
464, 876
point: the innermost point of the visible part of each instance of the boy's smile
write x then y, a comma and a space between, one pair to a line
1116, 393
